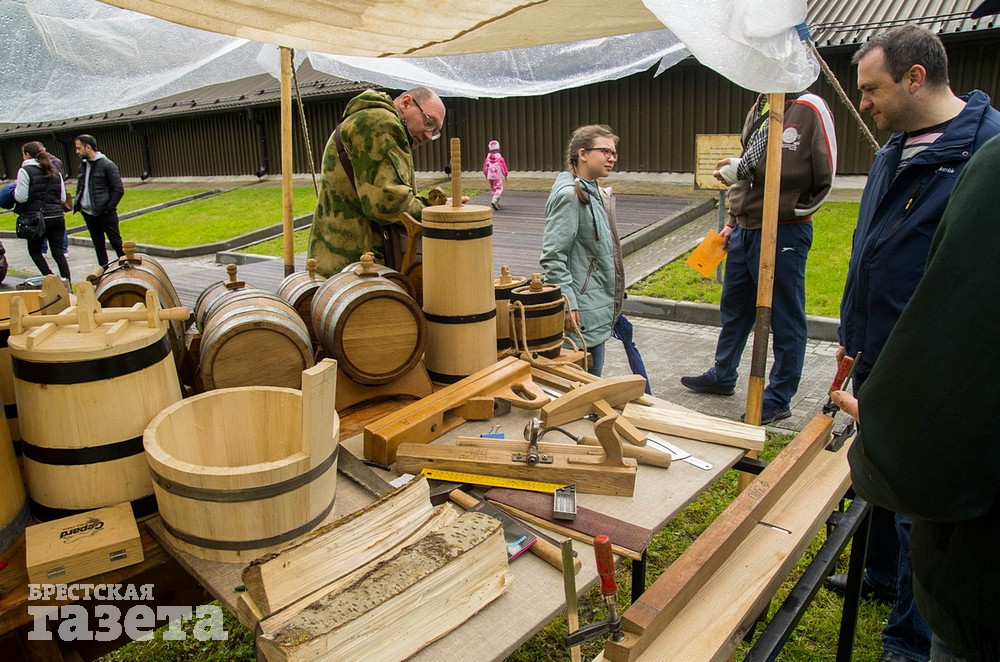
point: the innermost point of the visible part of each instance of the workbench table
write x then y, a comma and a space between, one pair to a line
535, 597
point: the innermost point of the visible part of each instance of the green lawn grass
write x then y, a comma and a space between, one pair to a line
219, 217
134, 199
833, 227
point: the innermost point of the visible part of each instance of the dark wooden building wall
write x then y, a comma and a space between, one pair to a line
657, 119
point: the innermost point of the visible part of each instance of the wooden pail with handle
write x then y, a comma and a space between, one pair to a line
14, 512
502, 288
373, 328
536, 317
253, 338
240, 472
52, 298
459, 301
88, 381
124, 283
298, 289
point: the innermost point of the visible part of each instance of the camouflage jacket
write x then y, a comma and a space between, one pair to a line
347, 222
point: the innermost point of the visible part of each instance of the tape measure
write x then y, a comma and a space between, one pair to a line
491, 481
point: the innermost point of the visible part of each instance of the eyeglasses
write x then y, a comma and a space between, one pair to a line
428, 122
606, 151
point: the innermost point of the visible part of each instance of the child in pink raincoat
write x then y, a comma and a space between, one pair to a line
495, 169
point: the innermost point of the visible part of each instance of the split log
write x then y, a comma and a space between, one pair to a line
403, 604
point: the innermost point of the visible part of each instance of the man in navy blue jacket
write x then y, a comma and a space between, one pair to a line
903, 78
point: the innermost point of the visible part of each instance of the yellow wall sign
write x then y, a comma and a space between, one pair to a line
710, 148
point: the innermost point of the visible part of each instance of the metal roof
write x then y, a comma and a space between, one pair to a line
242, 93
847, 22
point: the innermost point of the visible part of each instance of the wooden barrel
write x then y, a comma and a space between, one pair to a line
240, 472
52, 298
84, 399
253, 338
536, 317
391, 274
213, 295
502, 288
298, 289
125, 283
14, 513
459, 301
373, 328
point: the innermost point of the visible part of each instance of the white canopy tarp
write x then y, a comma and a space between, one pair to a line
65, 59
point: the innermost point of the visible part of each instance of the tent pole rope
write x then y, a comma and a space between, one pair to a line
843, 95
305, 126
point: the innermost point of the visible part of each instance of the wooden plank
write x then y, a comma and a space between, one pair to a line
591, 474
590, 446
673, 590
694, 425
727, 606
427, 590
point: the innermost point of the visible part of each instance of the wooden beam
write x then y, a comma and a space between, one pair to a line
694, 425
286, 161
673, 590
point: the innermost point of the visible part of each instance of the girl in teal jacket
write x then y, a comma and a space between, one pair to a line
580, 248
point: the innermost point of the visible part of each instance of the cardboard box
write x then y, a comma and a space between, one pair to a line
81, 546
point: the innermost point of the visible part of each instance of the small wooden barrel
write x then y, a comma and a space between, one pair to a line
213, 295
298, 289
502, 288
53, 298
125, 283
373, 328
536, 317
14, 513
240, 472
391, 274
459, 301
84, 399
253, 338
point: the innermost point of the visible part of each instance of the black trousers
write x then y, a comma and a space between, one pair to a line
55, 228
100, 226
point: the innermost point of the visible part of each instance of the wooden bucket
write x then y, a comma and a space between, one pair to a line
14, 513
391, 274
502, 288
240, 472
87, 386
298, 289
373, 328
125, 283
536, 317
459, 301
214, 294
253, 338
52, 298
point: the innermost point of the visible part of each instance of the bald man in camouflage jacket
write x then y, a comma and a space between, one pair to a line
367, 183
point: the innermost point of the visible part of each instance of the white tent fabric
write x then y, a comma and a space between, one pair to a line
66, 59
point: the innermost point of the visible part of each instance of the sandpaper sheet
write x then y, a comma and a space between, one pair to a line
590, 522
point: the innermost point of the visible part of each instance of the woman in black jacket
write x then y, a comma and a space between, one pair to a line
40, 188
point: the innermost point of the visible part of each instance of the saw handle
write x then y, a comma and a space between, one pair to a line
605, 565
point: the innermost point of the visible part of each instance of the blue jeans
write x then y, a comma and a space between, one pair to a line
597, 354
788, 310
906, 633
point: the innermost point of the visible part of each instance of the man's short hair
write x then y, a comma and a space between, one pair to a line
87, 139
906, 46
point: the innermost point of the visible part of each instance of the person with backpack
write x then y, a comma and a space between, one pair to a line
495, 169
40, 189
